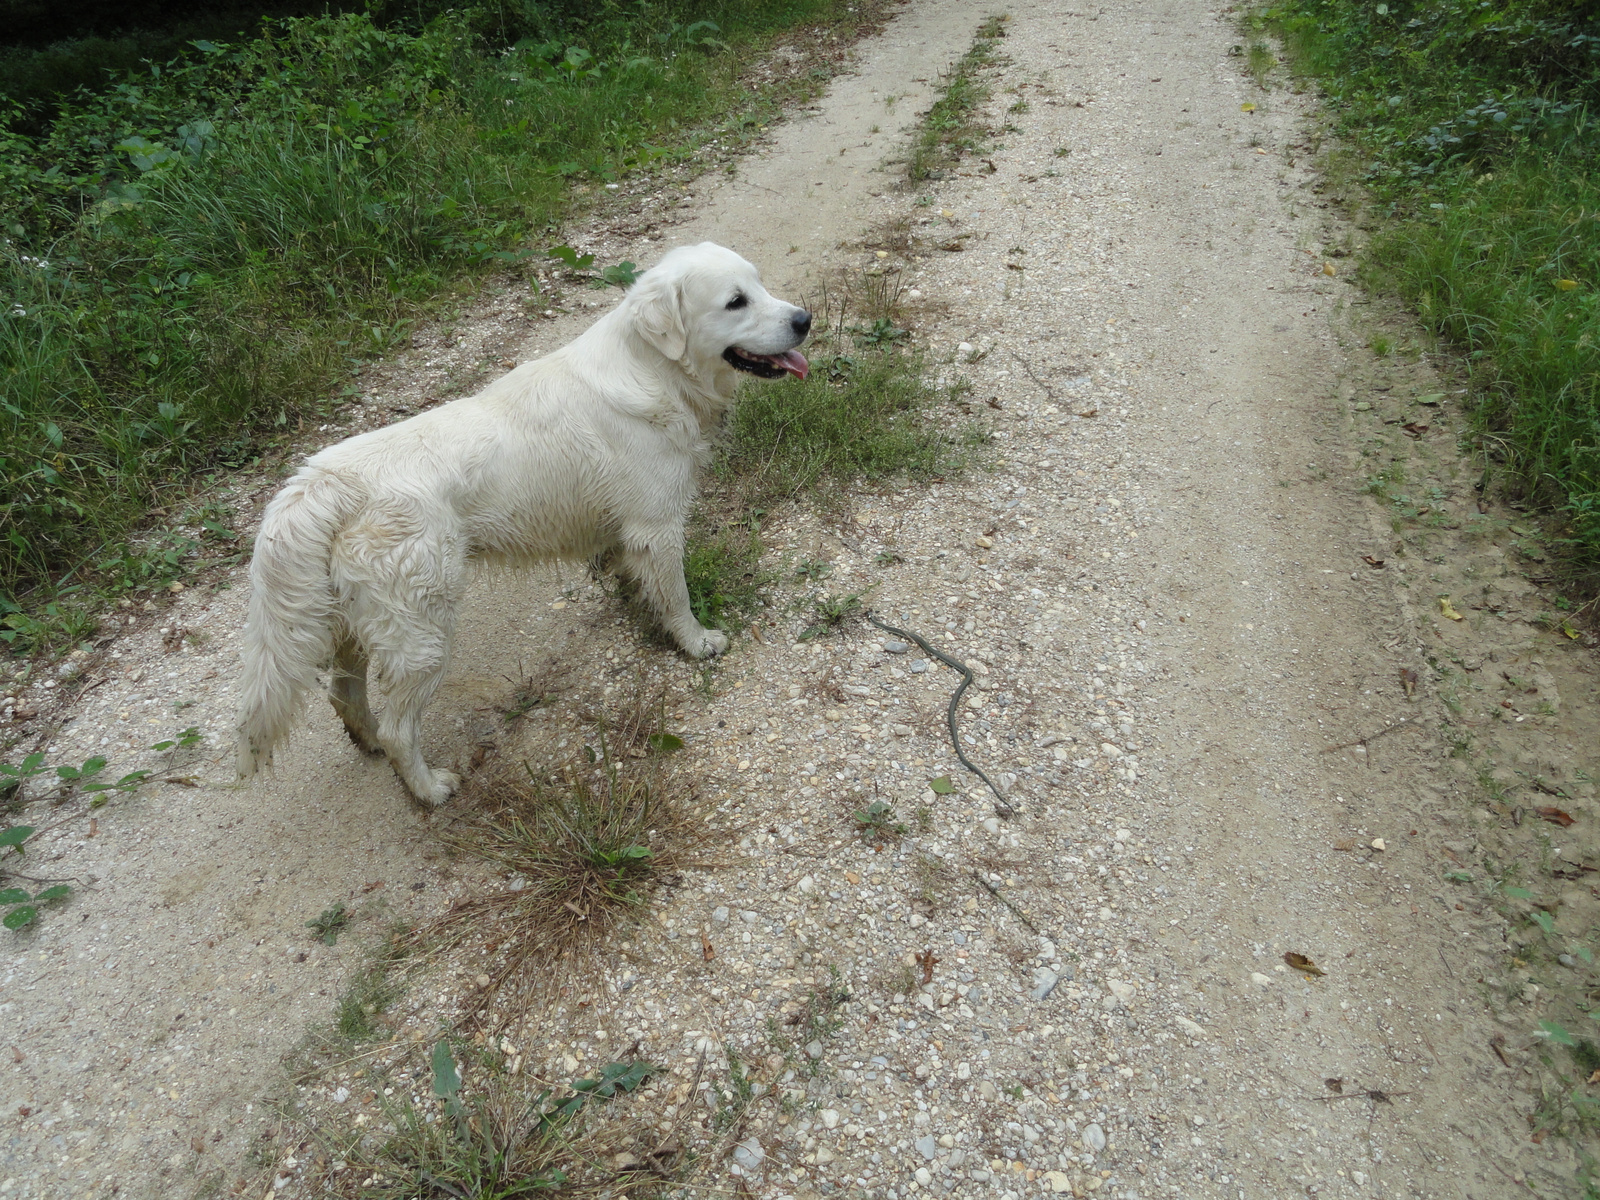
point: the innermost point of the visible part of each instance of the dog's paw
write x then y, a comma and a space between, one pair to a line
440, 788
708, 643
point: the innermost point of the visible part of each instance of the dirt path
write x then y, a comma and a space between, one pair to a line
1163, 581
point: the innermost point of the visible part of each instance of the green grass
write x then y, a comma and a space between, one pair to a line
195, 260
866, 415
952, 128
1474, 124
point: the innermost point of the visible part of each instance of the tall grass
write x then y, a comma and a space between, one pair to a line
1509, 270
1475, 125
193, 259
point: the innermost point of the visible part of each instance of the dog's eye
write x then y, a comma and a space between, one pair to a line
738, 301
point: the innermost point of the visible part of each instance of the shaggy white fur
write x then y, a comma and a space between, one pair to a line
365, 553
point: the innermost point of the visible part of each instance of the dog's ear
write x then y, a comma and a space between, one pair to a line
658, 303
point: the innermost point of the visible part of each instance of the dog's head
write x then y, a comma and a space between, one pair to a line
704, 306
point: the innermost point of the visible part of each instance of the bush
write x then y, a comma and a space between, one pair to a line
1475, 121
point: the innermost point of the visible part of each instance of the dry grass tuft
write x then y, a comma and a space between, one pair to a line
582, 849
494, 1135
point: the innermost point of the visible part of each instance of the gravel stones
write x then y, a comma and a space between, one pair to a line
1044, 982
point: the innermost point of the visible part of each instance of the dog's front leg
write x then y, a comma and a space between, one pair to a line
659, 572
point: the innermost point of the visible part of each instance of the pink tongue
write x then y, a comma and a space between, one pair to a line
794, 362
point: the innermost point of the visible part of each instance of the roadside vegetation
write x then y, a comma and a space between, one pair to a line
195, 257
952, 128
1474, 126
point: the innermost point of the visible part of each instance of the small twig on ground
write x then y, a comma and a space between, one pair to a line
1028, 367
1371, 737
1374, 1094
1017, 912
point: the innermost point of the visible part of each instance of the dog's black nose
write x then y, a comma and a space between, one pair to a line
801, 322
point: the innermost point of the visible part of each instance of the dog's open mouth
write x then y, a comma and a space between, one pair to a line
768, 366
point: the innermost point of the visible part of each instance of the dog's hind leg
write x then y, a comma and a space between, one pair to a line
658, 569
348, 690
400, 732
411, 649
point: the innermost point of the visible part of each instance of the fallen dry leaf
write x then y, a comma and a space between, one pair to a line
1594, 1077
1247, 108
952, 247
1093, 412
1301, 963
1327, 269
1375, 563
1408, 680
1555, 816
1498, 1044
927, 960
706, 948
1412, 429
1335, 1085
1449, 609
1344, 844
1566, 285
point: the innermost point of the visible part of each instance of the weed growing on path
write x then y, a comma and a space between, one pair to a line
952, 127
466, 1124
582, 848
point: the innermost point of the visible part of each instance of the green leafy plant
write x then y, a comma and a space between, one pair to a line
881, 333
26, 907
15, 837
446, 1079
621, 275
329, 924
878, 820
831, 611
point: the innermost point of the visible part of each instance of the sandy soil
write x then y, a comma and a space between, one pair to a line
1181, 648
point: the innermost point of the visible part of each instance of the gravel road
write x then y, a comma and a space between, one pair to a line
1159, 582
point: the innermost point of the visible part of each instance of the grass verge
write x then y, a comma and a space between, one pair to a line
951, 128
195, 259
1476, 133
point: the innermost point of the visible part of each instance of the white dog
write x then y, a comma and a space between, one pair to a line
364, 555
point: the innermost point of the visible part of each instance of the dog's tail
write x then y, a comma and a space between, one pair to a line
289, 633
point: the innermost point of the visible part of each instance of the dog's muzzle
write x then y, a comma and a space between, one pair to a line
768, 366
